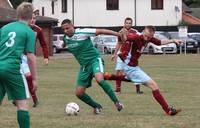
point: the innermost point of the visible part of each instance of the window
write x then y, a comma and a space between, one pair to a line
112, 4
54, 38
156, 4
64, 5
52, 6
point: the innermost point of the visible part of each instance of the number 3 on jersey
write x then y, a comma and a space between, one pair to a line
11, 41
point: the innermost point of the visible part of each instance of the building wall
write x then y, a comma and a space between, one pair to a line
93, 12
164, 17
38, 4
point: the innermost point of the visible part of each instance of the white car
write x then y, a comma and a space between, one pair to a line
105, 43
58, 45
167, 48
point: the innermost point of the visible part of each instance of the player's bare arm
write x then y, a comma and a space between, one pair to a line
107, 32
176, 41
46, 61
117, 47
123, 34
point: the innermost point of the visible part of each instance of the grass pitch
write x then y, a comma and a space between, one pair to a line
178, 77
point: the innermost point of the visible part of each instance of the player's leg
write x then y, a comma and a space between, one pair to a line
138, 91
140, 77
84, 79
26, 71
160, 99
115, 77
98, 69
119, 72
17, 90
23, 116
118, 82
2, 92
32, 91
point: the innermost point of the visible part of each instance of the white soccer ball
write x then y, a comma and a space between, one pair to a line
72, 109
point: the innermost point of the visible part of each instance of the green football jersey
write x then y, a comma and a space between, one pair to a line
15, 39
80, 45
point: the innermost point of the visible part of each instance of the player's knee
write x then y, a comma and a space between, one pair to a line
153, 85
79, 92
99, 80
22, 104
28, 75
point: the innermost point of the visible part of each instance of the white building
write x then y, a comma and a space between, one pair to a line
102, 13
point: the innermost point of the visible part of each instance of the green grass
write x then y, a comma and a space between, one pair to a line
178, 77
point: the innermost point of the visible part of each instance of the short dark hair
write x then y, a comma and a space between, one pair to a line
128, 18
151, 28
68, 21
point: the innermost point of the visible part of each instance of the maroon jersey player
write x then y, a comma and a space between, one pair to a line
120, 48
134, 73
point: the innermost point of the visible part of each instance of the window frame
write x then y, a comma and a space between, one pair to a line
157, 4
64, 4
52, 7
112, 4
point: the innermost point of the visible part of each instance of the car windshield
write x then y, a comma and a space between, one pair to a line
61, 37
195, 36
174, 35
109, 39
160, 36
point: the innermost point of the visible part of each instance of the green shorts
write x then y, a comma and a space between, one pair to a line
86, 73
14, 84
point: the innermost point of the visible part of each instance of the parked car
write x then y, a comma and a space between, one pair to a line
58, 45
191, 44
153, 49
195, 36
105, 43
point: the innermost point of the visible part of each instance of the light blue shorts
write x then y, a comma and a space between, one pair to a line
120, 64
24, 65
136, 75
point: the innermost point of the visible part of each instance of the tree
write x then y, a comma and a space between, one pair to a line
15, 3
192, 3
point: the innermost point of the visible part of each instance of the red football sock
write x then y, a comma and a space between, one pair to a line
119, 78
160, 99
118, 86
30, 87
137, 88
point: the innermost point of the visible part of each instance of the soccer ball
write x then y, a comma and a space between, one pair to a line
72, 109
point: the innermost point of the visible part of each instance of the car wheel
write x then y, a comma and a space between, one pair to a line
106, 50
56, 50
151, 51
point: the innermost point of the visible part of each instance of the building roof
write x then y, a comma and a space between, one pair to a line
188, 18
185, 8
5, 4
195, 12
9, 15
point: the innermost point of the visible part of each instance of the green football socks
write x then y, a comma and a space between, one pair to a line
88, 100
23, 118
108, 90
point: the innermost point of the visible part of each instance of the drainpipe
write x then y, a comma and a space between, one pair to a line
11, 6
135, 12
73, 11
